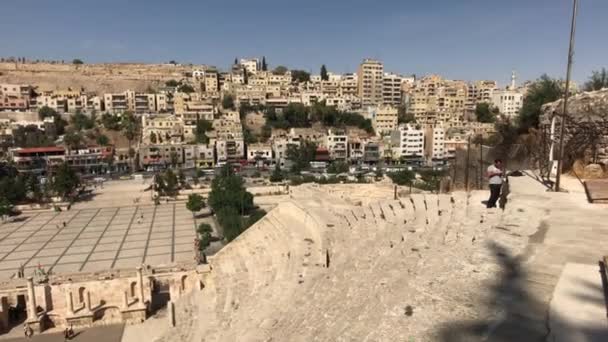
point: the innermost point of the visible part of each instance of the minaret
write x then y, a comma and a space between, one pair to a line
513, 80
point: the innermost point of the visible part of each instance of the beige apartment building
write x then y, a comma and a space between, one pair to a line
131, 101
433, 99
162, 128
370, 82
391, 89
479, 91
384, 119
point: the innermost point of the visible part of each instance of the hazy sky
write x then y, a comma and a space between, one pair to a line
460, 39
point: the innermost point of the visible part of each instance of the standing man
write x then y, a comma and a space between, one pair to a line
494, 174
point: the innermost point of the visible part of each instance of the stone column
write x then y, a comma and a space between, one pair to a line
125, 300
32, 313
140, 282
87, 301
69, 303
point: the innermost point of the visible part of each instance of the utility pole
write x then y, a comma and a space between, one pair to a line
480, 161
562, 128
466, 169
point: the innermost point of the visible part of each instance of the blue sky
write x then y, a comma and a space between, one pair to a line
460, 39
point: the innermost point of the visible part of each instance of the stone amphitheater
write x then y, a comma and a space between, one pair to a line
343, 263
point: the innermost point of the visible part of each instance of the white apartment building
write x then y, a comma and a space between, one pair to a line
435, 143
337, 144
384, 119
259, 152
280, 145
508, 102
250, 64
391, 89
370, 82
407, 142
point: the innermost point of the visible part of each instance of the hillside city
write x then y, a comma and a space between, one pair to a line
251, 115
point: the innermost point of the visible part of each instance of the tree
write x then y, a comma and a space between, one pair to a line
72, 140
153, 138
337, 167
403, 116
543, 90
403, 177
236, 61
185, 88
277, 174
228, 190
264, 66
195, 203
65, 181
102, 140
228, 102
80, 121
301, 156
77, 61
170, 183
245, 76
171, 83
174, 159
47, 112
299, 76
204, 231
324, 75
483, 113
230, 221
280, 70
202, 127
597, 81
5, 207
111, 122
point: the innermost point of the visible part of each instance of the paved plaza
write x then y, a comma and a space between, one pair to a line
96, 239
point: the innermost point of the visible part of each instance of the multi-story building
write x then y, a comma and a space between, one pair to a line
280, 144
391, 89
508, 101
229, 148
15, 97
160, 156
349, 85
131, 101
199, 155
337, 144
370, 78
384, 119
37, 159
407, 143
250, 64
479, 91
371, 153
161, 128
435, 150
90, 159
259, 153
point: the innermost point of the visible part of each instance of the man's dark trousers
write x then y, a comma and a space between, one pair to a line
494, 195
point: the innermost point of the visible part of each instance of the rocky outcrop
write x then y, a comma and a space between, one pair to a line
589, 106
593, 171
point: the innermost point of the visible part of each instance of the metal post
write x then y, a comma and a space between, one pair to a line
466, 170
562, 129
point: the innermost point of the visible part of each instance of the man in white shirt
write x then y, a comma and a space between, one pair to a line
494, 174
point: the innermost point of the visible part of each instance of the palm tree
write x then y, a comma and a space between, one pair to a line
129, 127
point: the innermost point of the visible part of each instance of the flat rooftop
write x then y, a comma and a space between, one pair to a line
97, 239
